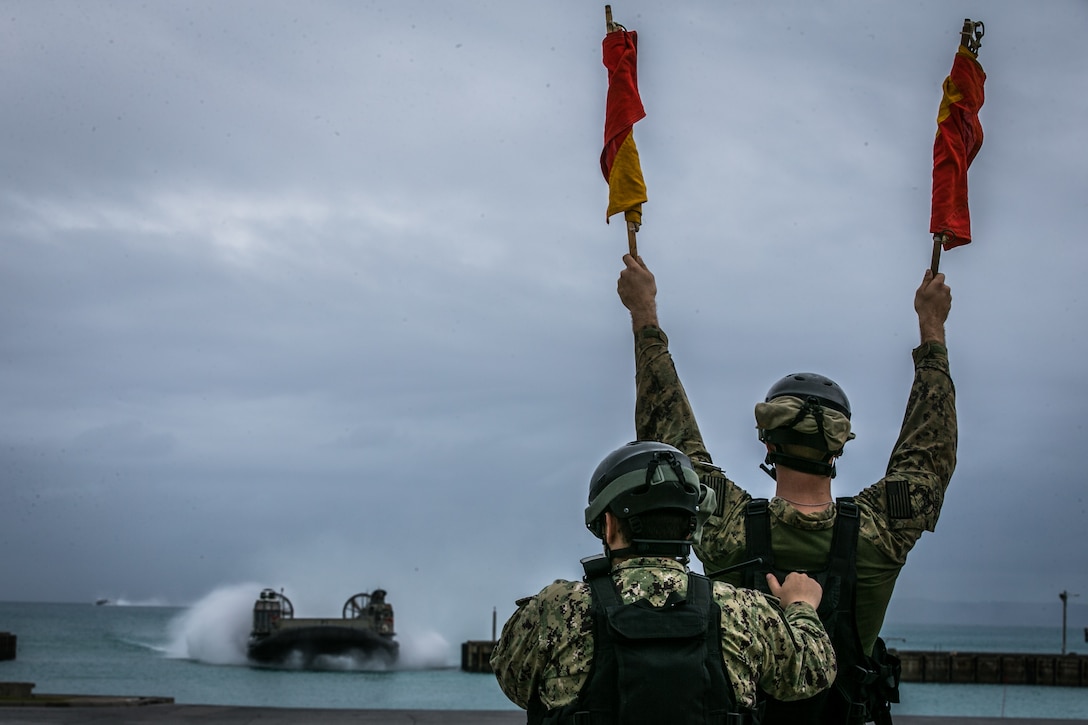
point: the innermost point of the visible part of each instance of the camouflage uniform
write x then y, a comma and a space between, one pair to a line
894, 511
546, 647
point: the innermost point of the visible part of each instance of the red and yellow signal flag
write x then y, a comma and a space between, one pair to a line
619, 159
958, 140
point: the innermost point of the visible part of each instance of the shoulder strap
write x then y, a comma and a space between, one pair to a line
757, 534
845, 702
844, 542
839, 616
701, 594
841, 573
698, 591
598, 574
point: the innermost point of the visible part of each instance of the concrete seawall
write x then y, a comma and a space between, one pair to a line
1009, 668
476, 655
7, 645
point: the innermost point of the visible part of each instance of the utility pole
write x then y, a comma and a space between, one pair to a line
1064, 596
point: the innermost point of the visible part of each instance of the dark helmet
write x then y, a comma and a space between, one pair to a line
642, 476
815, 391
811, 385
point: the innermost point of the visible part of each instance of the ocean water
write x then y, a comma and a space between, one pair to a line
196, 655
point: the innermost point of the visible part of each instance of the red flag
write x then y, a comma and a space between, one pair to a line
959, 137
619, 160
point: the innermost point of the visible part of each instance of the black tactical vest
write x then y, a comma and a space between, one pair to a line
865, 685
651, 665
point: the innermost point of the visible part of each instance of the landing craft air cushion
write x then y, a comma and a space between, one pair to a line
366, 629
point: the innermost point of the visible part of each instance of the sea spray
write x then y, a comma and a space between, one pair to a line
215, 629
423, 651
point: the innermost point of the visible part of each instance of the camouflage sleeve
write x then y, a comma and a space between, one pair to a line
810, 666
786, 653
545, 647
662, 410
908, 500
663, 413
516, 659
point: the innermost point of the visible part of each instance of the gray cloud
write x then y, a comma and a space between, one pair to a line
324, 295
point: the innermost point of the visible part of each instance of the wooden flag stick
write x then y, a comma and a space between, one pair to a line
609, 26
935, 262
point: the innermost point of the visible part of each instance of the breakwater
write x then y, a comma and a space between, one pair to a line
476, 655
1005, 668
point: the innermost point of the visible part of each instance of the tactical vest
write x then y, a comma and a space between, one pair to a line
865, 686
651, 665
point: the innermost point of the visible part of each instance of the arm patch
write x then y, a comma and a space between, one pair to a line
717, 483
899, 505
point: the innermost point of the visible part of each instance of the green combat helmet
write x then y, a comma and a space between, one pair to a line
642, 477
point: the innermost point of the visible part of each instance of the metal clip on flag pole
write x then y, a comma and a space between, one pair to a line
958, 139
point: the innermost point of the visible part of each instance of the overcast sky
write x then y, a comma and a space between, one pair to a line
321, 296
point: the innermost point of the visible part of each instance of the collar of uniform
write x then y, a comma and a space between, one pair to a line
655, 562
790, 516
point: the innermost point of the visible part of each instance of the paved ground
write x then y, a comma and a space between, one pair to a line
131, 712
170, 714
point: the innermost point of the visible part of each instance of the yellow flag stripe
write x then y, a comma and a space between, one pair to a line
626, 187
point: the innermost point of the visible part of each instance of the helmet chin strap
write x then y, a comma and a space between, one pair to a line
805, 465
787, 434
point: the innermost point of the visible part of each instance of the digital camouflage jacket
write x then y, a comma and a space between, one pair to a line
894, 511
546, 647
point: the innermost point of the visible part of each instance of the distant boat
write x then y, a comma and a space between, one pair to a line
100, 602
365, 628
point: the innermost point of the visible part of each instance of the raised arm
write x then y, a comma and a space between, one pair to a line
928, 437
921, 464
663, 413
662, 410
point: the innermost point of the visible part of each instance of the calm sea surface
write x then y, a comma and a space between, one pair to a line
197, 657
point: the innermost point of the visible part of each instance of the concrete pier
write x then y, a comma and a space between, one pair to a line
7, 645
1012, 668
19, 706
178, 714
476, 656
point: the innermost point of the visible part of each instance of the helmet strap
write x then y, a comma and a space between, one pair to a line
805, 465
667, 458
